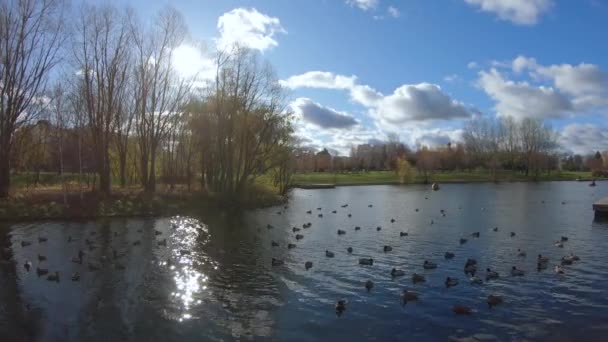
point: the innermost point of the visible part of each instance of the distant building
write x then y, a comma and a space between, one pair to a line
323, 161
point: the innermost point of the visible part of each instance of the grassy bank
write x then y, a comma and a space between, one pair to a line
387, 177
47, 201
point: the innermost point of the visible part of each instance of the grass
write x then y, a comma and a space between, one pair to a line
388, 177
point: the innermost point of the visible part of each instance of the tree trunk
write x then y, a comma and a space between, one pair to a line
5, 172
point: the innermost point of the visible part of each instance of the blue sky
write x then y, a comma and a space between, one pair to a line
358, 70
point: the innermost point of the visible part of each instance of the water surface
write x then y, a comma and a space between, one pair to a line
213, 281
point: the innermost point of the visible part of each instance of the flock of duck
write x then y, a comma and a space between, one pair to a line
470, 266
42, 271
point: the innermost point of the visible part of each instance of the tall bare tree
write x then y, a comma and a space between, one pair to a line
102, 55
159, 90
31, 35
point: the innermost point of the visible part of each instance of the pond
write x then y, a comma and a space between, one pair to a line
209, 277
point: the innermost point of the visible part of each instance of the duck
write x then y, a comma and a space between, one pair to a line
559, 244
564, 239
333, 212
475, 234
449, 255
450, 282
521, 253
295, 229
397, 273
378, 228
157, 232
269, 226
463, 241
53, 277
408, 296
291, 245
567, 261
417, 210
366, 261
274, 244
75, 276
559, 269
329, 254
319, 208
279, 213
491, 275
574, 257
512, 234
320, 215
42, 239
392, 220
428, 265
369, 205
476, 280
41, 258
494, 300
462, 310
470, 269
162, 242
344, 205
307, 225
277, 262
401, 234
41, 271
517, 272
136, 243
309, 211
341, 232
299, 236
308, 265
418, 278
340, 306
542, 259
80, 254
387, 248
25, 243
349, 250
369, 285
495, 229
349, 215
357, 228
27, 265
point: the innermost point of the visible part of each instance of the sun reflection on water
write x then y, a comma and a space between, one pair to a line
187, 263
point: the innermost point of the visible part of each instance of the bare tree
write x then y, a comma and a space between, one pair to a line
59, 119
159, 91
102, 56
31, 35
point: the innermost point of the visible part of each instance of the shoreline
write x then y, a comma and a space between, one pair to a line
313, 186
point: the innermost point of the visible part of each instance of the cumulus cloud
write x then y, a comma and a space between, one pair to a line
319, 79
560, 90
248, 27
583, 138
436, 138
451, 78
190, 61
320, 115
364, 5
520, 12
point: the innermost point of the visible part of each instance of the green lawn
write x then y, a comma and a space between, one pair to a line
383, 177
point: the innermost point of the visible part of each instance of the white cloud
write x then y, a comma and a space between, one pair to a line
521, 63
190, 61
472, 65
319, 79
583, 138
520, 99
321, 116
451, 78
365, 5
248, 27
520, 12
393, 12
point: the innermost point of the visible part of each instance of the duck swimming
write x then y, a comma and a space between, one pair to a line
340, 307
397, 273
295, 229
25, 243
309, 212
42, 239
308, 265
490, 275
75, 276
392, 220
329, 254
494, 300
299, 236
495, 229
450, 282
41, 257
463, 241
387, 248
291, 245
408, 296
349, 249
512, 234
476, 234
378, 228
418, 278
162, 242
41, 271
341, 232
369, 285
476, 280
27, 265
515, 272
357, 228
462, 310
366, 261
53, 277
521, 253
559, 269
277, 262
559, 244
449, 255
428, 265
401, 234
274, 244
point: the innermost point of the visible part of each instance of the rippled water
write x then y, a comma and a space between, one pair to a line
214, 279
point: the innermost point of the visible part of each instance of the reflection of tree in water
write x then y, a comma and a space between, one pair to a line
243, 284
17, 320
